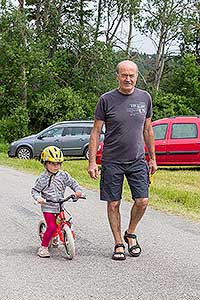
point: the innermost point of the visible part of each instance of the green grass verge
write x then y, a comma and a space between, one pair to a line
174, 190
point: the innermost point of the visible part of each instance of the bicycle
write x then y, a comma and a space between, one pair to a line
65, 230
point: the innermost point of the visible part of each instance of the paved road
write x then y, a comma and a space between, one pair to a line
169, 267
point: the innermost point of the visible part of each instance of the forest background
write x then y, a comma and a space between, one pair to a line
58, 57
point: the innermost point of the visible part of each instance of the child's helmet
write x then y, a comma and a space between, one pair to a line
52, 154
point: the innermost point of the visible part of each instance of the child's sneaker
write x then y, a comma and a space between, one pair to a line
43, 252
55, 242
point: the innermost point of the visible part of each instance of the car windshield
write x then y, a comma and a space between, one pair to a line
53, 132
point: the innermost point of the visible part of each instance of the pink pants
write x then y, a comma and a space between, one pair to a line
51, 228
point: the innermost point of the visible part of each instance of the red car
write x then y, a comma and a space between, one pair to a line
177, 141
99, 153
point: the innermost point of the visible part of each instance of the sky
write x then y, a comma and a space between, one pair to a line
143, 44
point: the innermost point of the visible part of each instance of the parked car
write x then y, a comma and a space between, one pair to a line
177, 141
72, 137
99, 153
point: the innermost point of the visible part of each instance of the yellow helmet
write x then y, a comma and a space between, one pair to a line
52, 154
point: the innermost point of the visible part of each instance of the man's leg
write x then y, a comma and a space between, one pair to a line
137, 212
111, 183
138, 178
114, 218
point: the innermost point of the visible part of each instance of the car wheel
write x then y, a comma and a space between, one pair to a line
24, 152
86, 153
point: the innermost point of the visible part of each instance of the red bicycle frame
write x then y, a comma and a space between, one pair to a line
61, 222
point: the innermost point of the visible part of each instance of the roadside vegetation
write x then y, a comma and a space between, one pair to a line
174, 190
53, 71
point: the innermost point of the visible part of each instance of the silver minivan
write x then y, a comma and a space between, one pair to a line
72, 137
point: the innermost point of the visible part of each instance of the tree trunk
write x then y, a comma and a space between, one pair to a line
98, 23
24, 93
160, 59
129, 33
81, 23
197, 39
21, 5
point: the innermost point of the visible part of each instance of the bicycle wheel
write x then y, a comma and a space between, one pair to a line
68, 242
41, 229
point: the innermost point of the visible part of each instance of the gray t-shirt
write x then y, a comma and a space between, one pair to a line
124, 117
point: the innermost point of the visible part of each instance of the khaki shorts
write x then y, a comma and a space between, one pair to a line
112, 177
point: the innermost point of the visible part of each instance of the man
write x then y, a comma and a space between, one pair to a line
126, 113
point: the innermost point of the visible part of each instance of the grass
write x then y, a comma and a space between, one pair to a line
174, 190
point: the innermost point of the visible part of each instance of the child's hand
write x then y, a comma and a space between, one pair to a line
79, 194
41, 201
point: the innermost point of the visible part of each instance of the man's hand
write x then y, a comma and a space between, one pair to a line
152, 166
93, 170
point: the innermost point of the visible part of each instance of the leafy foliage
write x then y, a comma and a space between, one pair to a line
15, 126
185, 82
168, 105
57, 57
64, 104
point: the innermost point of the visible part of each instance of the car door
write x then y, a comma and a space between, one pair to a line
183, 144
73, 140
160, 136
50, 137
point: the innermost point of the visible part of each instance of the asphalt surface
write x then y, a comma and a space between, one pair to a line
168, 268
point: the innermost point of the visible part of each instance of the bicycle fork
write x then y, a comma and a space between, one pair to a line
61, 224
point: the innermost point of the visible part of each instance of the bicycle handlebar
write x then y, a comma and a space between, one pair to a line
72, 196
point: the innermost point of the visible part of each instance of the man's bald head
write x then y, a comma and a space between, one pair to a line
126, 63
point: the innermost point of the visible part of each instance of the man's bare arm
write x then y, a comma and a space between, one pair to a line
93, 146
149, 141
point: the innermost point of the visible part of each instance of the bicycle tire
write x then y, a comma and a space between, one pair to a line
68, 242
41, 230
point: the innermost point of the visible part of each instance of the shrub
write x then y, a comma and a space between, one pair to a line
168, 105
15, 126
64, 104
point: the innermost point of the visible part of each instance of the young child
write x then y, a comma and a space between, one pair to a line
51, 185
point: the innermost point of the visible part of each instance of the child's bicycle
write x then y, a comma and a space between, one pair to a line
64, 223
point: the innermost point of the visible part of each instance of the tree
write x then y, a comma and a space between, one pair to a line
13, 55
185, 81
190, 37
168, 105
163, 21
121, 15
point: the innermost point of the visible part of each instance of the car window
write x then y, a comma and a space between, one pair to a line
87, 130
160, 131
53, 132
184, 131
72, 131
